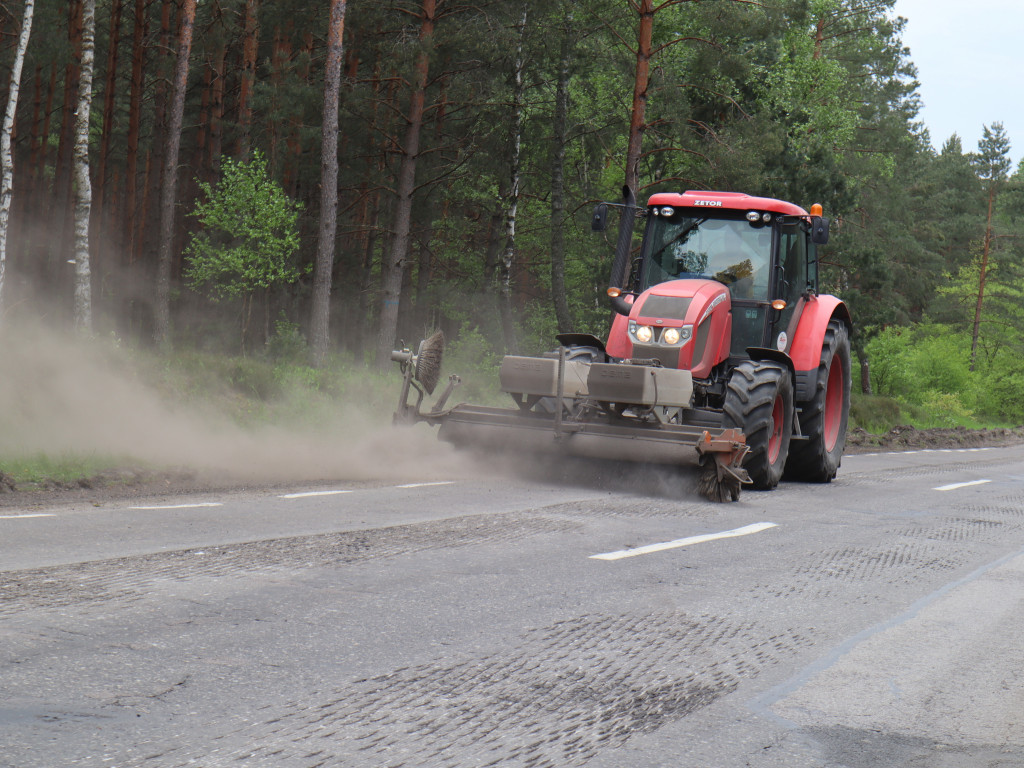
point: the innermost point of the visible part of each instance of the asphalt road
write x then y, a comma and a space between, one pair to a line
875, 621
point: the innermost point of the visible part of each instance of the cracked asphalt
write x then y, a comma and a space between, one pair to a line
466, 623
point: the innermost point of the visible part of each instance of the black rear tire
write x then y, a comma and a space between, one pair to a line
823, 418
759, 402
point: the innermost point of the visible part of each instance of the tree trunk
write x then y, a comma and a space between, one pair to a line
865, 374
217, 109
162, 328
154, 165
108, 117
560, 128
396, 261
83, 182
250, 47
640, 81
981, 277
131, 203
6, 160
320, 321
508, 328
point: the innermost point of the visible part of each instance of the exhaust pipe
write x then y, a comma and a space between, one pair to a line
622, 249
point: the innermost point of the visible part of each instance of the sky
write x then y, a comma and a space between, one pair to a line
970, 58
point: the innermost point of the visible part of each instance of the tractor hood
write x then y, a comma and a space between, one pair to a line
683, 324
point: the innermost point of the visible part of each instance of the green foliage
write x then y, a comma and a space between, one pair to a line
925, 368
248, 232
813, 90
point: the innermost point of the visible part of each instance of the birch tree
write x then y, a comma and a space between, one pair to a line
83, 184
6, 160
515, 150
320, 324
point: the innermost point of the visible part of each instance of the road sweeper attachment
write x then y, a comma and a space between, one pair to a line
567, 402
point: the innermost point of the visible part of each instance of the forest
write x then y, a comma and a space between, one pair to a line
231, 175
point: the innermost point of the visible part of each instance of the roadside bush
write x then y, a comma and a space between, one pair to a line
926, 367
287, 344
946, 409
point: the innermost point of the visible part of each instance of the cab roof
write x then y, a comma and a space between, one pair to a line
726, 200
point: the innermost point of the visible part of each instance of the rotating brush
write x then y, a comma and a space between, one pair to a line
428, 361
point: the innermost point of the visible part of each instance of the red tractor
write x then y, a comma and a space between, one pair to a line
720, 343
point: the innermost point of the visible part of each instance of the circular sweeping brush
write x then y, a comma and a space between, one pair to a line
428, 361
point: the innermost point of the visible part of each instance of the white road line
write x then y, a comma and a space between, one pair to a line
744, 531
924, 450
424, 485
307, 494
184, 506
22, 517
954, 486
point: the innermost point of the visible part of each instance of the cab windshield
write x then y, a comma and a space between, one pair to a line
730, 250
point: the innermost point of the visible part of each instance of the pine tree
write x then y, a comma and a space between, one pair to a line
320, 322
993, 165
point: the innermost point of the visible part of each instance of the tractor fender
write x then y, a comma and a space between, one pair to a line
805, 348
767, 353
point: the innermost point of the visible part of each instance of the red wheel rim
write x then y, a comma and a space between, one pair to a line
833, 416
775, 440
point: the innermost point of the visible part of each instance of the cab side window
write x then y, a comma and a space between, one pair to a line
792, 278
793, 253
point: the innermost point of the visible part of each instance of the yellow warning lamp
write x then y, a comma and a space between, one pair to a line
816, 209
614, 292
779, 304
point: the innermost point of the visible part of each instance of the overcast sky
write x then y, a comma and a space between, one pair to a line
970, 63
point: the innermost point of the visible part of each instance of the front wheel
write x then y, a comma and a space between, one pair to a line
824, 417
759, 402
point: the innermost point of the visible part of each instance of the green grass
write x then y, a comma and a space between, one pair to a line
29, 472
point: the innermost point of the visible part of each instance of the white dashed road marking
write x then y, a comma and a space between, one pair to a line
646, 550
307, 494
424, 485
954, 486
183, 506
22, 517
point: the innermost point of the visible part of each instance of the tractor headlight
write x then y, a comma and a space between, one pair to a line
676, 336
640, 333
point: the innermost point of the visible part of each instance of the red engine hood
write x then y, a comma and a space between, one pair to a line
703, 305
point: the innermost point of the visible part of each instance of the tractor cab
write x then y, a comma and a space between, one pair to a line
718, 274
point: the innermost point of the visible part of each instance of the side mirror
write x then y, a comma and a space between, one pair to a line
819, 230
599, 221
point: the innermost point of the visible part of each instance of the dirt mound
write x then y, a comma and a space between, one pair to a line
907, 438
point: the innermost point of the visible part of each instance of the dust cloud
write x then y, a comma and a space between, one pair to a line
66, 396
